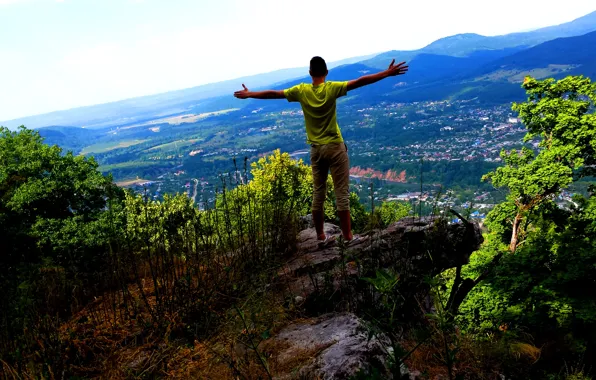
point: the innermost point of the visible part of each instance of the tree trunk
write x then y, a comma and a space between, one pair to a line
515, 233
454, 288
459, 294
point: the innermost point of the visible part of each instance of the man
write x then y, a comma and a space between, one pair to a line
328, 150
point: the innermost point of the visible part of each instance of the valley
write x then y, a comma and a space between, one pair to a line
399, 148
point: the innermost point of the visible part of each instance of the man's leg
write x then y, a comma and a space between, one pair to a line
320, 171
340, 172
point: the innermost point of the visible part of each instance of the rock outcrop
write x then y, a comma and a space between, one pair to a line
337, 345
413, 247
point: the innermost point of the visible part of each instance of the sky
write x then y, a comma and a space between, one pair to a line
61, 54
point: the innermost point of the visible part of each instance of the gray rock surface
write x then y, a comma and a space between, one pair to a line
334, 346
306, 221
414, 247
313, 266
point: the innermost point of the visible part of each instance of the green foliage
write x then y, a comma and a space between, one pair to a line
360, 217
550, 275
529, 178
384, 282
580, 375
545, 289
483, 305
55, 239
391, 212
281, 176
155, 222
557, 113
51, 213
38, 183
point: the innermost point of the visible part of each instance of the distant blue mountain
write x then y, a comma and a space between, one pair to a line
580, 50
500, 80
423, 68
464, 45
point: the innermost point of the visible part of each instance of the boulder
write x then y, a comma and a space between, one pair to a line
333, 346
433, 242
306, 221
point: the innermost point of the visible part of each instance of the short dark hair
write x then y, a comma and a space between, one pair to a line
318, 67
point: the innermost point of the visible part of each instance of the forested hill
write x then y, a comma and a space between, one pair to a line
577, 51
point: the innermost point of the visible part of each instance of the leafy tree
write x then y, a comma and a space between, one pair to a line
52, 214
556, 112
38, 183
544, 291
390, 212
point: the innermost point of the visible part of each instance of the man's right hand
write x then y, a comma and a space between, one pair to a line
242, 94
399, 69
365, 80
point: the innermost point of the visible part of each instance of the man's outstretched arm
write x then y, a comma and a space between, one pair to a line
267, 94
392, 71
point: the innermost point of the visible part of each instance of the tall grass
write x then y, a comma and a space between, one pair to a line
169, 271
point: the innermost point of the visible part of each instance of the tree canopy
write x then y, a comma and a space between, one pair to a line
558, 118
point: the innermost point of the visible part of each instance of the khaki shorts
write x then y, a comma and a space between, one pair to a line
334, 158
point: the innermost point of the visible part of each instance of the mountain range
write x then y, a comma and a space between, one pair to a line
456, 67
489, 76
463, 45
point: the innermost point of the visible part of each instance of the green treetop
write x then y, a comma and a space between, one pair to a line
558, 113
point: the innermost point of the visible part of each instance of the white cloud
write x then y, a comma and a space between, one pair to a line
9, 2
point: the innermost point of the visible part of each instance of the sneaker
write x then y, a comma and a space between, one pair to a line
329, 240
356, 239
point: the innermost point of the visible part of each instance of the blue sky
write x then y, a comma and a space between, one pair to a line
62, 54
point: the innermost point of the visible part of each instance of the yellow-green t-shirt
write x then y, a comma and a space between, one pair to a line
318, 105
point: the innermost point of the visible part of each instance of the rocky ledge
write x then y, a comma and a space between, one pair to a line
337, 345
